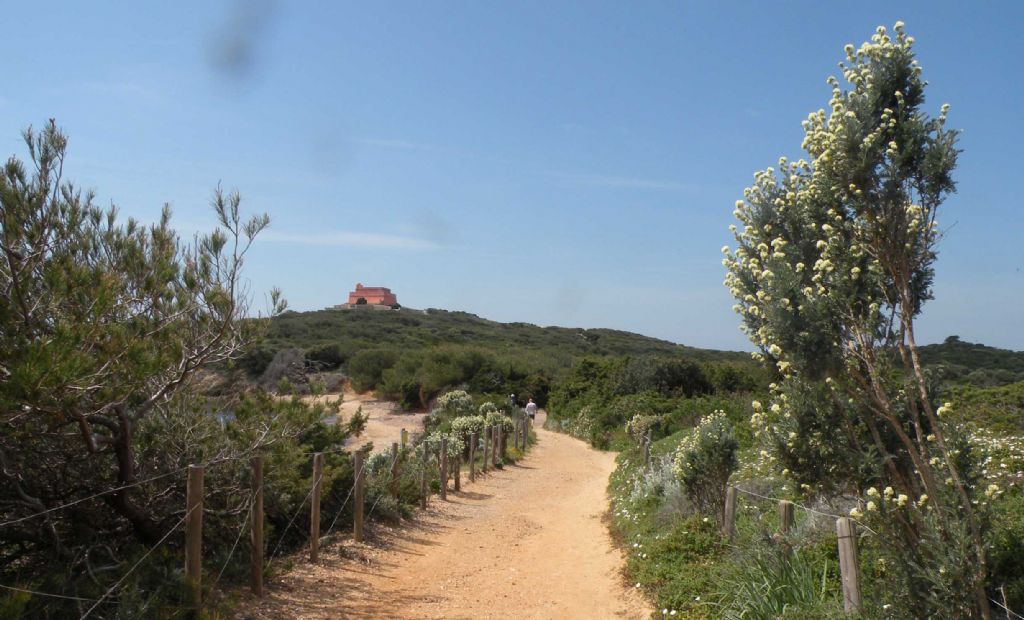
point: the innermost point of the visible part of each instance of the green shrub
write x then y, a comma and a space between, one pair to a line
704, 461
1006, 541
457, 403
326, 357
465, 426
641, 424
496, 418
366, 368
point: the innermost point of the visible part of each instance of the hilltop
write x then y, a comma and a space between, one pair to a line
968, 363
411, 355
347, 331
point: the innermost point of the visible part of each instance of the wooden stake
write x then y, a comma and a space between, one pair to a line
848, 565
256, 515
785, 516
194, 534
394, 470
405, 438
444, 468
357, 525
314, 512
487, 443
423, 476
472, 457
458, 473
729, 516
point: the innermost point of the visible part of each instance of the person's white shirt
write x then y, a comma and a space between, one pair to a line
531, 408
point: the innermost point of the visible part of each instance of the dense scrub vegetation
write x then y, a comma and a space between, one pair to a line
920, 445
104, 328
412, 356
599, 397
967, 363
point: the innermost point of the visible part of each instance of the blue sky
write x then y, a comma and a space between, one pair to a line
560, 163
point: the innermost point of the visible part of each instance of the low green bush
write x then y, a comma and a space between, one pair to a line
704, 461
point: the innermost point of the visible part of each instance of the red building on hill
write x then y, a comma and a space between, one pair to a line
372, 295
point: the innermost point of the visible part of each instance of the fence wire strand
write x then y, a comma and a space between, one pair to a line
241, 531
100, 494
294, 516
139, 562
48, 594
817, 512
1009, 612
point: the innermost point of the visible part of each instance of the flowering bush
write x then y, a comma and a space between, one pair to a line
641, 424
455, 445
834, 262
456, 402
487, 407
580, 426
465, 426
496, 418
704, 461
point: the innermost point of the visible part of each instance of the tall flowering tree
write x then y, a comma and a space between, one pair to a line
834, 261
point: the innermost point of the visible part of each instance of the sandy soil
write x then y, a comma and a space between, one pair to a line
524, 542
385, 423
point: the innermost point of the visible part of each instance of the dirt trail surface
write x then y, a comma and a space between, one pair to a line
385, 418
524, 542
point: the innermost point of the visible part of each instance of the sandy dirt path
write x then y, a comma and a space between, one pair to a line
385, 418
524, 542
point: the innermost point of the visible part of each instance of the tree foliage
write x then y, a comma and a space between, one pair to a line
835, 260
103, 327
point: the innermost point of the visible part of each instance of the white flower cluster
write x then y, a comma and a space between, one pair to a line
1002, 460
640, 424
713, 425
806, 244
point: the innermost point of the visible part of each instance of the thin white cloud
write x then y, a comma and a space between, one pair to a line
620, 182
351, 240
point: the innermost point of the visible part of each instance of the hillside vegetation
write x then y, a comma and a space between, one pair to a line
353, 330
968, 363
412, 356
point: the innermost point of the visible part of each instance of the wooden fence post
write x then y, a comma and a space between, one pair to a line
458, 473
472, 457
647, 452
314, 512
729, 516
848, 565
194, 534
357, 508
444, 468
394, 469
423, 476
785, 516
405, 438
495, 434
487, 444
256, 557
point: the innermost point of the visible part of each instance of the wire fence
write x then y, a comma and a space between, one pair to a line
400, 458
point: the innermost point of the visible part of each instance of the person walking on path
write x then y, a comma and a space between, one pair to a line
531, 410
